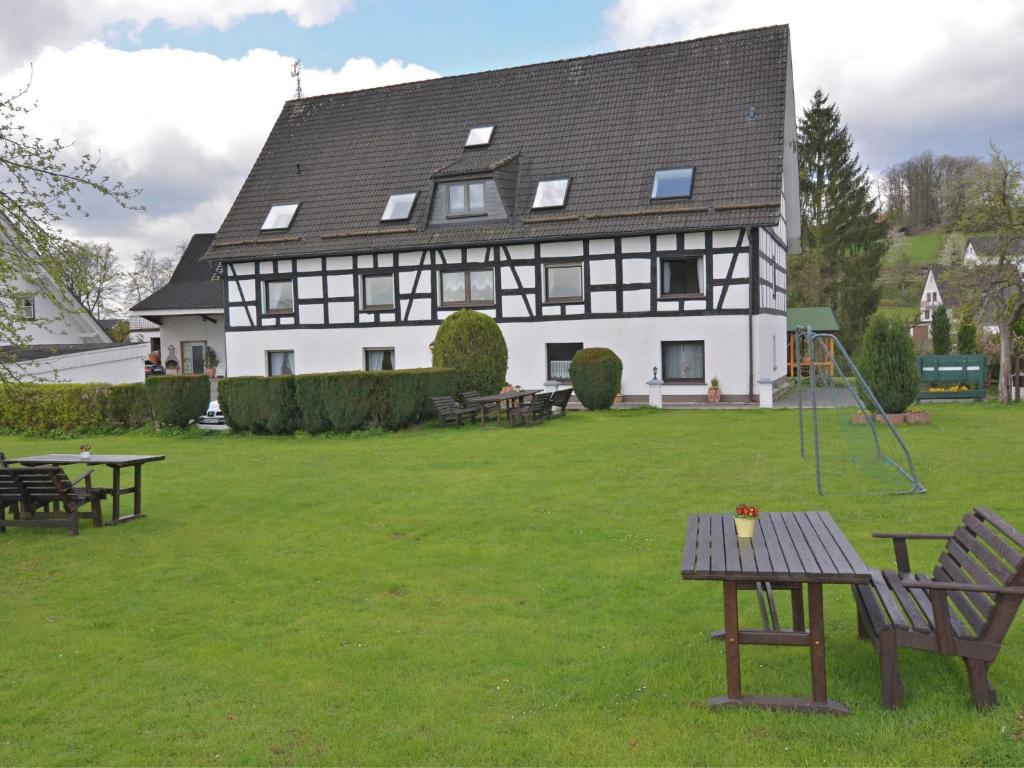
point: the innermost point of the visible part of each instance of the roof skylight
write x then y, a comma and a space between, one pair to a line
280, 216
672, 182
479, 136
551, 193
399, 207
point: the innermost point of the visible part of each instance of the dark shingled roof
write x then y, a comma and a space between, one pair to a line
195, 283
987, 245
607, 121
42, 351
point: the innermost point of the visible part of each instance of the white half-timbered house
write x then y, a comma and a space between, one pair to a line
643, 200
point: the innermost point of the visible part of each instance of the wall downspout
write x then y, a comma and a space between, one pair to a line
755, 295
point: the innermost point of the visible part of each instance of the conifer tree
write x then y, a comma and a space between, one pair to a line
940, 331
843, 240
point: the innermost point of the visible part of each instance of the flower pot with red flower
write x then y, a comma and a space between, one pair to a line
746, 520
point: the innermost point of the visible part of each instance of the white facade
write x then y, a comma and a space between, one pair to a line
930, 299
53, 316
185, 331
622, 306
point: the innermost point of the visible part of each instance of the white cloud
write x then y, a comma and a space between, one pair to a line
185, 126
30, 25
908, 76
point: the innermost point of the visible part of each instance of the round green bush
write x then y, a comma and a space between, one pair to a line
889, 364
472, 344
596, 375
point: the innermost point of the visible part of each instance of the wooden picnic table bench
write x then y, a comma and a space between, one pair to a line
512, 399
44, 497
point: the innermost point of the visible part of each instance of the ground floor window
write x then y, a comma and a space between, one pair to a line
683, 361
193, 357
559, 357
280, 362
380, 359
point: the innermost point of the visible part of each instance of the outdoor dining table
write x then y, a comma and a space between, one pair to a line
788, 550
116, 462
504, 398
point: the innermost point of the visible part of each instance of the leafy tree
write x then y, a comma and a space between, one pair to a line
149, 273
995, 203
889, 364
940, 331
953, 249
843, 237
42, 182
967, 337
88, 271
472, 343
120, 332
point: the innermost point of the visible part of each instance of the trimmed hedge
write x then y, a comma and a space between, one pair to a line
472, 343
889, 364
596, 375
332, 402
260, 404
178, 400
72, 408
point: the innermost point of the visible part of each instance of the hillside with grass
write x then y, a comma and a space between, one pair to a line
902, 284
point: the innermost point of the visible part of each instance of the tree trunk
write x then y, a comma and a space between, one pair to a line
1005, 361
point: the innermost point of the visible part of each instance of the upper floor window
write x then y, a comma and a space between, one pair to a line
479, 136
466, 199
551, 193
378, 292
279, 298
682, 276
672, 182
280, 216
467, 288
27, 307
399, 207
281, 362
564, 283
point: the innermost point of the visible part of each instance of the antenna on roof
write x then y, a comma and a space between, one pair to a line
297, 74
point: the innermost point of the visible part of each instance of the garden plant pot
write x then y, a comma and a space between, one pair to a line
859, 418
714, 395
917, 417
84, 454
745, 526
894, 418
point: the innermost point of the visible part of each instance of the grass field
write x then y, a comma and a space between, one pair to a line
474, 597
924, 252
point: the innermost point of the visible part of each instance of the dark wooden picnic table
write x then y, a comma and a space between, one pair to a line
504, 398
116, 462
787, 551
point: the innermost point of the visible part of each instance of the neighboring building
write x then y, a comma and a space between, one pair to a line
142, 330
65, 343
982, 249
643, 200
820, 320
189, 311
941, 288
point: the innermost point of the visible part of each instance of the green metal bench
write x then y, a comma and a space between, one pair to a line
942, 371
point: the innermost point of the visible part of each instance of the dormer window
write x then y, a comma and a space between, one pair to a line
551, 193
399, 207
466, 199
479, 136
672, 182
280, 217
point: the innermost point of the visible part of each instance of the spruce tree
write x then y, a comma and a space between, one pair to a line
967, 338
843, 240
940, 331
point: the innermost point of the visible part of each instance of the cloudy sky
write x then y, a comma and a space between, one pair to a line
179, 95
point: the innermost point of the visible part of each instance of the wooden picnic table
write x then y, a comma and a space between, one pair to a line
116, 462
787, 551
504, 398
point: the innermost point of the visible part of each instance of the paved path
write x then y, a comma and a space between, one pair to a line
831, 397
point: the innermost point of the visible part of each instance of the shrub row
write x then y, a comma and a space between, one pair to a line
67, 408
332, 402
177, 400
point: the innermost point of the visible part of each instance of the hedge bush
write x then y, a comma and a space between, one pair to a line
333, 402
177, 400
129, 406
472, 343
967, 338
72, 408
596, 375
889, 364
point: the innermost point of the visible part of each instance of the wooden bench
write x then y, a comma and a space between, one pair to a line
488, 408
559, 400
448, 410
964, 608
533, 411
44, 497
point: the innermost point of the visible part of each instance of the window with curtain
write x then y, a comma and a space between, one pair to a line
281, 362
682, 276
465, 288
378, 292
559, 357
379, 359
280, 297
682, 361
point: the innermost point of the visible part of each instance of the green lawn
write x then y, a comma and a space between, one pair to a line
475, 597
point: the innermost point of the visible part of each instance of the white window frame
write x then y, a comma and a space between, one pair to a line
467, 292
479, 136
272, 224
543, 185
394, 201
467, 211
27, 307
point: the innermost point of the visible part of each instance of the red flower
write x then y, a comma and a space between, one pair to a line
746, 510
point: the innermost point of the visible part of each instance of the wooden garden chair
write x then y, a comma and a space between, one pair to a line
449, 411
44, 497
964, 608
533, 411
559, 400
